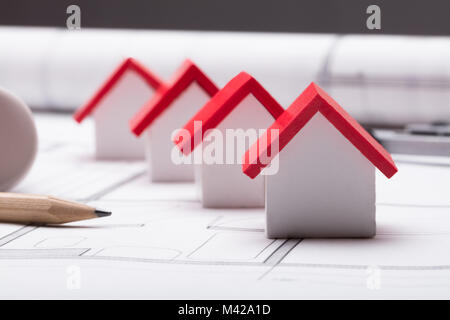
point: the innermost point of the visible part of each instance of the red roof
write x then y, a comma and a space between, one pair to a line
128, 64
311, 101
186, 74
222, 104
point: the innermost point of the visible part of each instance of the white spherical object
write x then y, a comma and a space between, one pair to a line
18, 140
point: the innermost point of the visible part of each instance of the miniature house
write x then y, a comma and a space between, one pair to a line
114, 104
166, 112
325, 184
242, 106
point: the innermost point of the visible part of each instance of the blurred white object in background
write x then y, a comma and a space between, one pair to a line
378, 79
392, 79
18, 140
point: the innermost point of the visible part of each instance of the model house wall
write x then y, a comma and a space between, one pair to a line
158, 137
162, 116
114, 104
224, 185
112, 134
324, 187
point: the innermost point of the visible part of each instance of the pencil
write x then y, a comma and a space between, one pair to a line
35, 209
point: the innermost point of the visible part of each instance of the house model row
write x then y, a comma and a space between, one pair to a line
323, 184
120, 97
134, 97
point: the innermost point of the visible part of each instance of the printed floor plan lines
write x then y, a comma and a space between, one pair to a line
19, 232
160, 239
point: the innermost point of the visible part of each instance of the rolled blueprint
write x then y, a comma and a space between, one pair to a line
378, 79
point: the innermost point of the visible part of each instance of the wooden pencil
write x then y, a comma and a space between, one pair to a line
35, 209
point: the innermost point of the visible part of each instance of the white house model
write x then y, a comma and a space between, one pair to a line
114, 104
170, 107
230, 122
325, 185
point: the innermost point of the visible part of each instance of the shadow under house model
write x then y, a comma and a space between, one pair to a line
114, 104
325, 185
241, 105
166, 112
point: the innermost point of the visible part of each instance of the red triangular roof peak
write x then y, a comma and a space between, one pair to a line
128, 64
311, 101
185, 76
216, 109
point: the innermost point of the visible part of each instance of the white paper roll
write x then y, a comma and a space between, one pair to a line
392, 79
387, 79
24, 56
77, 62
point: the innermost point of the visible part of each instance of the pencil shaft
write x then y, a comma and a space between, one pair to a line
22, 208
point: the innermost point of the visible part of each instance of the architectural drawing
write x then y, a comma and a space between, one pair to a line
172, 244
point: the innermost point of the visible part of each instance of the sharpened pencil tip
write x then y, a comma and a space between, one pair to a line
102, 214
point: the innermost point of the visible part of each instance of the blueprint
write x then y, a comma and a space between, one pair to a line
160, 242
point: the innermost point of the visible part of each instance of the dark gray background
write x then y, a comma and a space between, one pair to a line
413, 17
